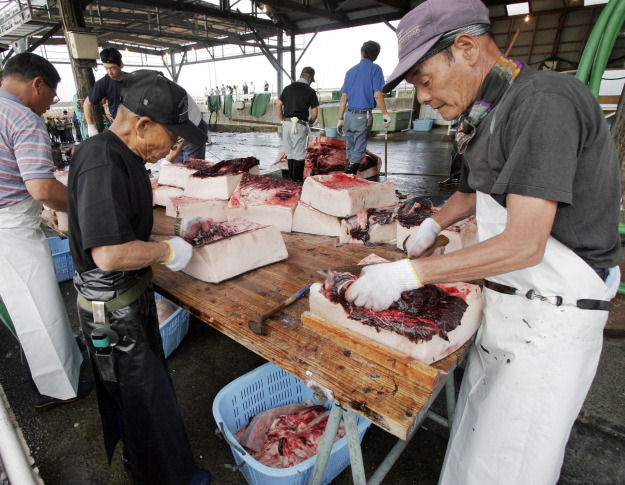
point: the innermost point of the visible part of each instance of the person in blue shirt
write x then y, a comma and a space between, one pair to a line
361, 91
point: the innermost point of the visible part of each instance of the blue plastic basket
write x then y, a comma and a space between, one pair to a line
62, 258
264, 388
173, 329
424, 124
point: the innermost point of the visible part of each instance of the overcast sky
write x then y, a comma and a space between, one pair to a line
330, 54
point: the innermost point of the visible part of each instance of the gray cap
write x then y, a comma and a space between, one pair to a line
421, 28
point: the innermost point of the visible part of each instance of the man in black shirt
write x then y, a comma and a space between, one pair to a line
109, 87
110, 220
292, 107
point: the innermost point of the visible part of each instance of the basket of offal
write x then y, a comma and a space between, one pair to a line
274, 428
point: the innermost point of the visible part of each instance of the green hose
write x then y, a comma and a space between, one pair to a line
621, 289
607, 44
588, 56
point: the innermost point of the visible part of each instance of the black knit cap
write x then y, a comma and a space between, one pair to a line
149, 93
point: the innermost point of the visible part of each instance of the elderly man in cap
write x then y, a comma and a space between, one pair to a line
361, 91
110, 220
293, 106
108, 87
540, 172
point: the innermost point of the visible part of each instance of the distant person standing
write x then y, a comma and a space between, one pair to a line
361, 91
67, 127
107, 88
252, 88
76, 123
292, 109
245, 88
266, 86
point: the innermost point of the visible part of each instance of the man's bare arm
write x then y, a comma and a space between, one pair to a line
279, 110
49, 191
379, 99
130, 256
520, 245
87, 111
342, 105
459, 206
313, 114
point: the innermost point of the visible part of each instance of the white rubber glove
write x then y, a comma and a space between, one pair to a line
339, 127
91, 130
423, 238
379, 285
179, 253
387, 122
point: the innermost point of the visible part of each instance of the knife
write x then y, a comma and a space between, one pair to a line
355, 269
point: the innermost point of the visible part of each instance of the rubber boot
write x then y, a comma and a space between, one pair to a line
290, 161
351, 168
298, 170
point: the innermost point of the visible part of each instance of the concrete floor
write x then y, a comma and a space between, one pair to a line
66, 442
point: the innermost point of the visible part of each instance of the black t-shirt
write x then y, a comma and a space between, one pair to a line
109, 89
296, 99
109, 197
547, 138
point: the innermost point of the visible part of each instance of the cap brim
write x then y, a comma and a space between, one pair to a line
189, 131
400, 71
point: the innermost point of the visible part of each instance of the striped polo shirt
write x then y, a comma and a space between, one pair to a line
25, 151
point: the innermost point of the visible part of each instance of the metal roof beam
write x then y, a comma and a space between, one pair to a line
298, 7
196, 8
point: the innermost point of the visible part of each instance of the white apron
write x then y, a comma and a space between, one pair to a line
31, 294
529, 371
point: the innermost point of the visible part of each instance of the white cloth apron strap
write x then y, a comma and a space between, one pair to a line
31, 294
529, 370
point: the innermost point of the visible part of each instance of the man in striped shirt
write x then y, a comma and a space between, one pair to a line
28, 286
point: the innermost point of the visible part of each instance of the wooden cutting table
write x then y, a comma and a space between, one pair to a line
388, 388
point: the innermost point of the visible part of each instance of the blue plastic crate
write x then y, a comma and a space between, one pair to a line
62, 258
424, 124
264, 388
173, 329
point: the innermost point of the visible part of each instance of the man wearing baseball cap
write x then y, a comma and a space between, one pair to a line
540, 172
110, 222
293, 107
107, 88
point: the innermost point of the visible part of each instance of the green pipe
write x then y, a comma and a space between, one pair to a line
621, 228
621, 289
605, 49
588, 56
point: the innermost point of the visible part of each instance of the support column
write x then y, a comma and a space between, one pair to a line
72, 17
293, 60
280, 62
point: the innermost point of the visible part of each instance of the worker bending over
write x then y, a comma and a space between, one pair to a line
292, 108
110, 220
540, 172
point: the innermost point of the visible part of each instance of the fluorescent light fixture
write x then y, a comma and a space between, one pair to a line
522, 8
594, 2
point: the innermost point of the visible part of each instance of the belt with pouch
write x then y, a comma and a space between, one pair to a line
126, 298
584, 304
359, 111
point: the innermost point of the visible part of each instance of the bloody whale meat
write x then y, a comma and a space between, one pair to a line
412, 213
205, 231
418, 315
227, 167
360, 225
257, 190
293, 438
